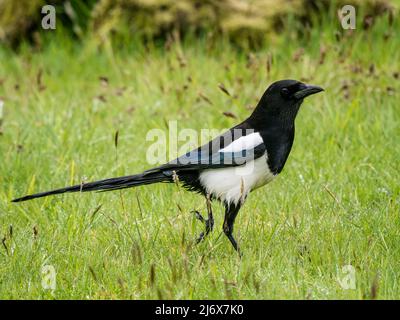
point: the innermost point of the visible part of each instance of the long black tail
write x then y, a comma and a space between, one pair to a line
107, 184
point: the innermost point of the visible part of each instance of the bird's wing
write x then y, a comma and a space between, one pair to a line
212, 156
224, 151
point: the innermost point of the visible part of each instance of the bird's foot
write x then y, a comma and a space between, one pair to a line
209, 224
235, 245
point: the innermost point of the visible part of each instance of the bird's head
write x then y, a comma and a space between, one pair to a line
283, 98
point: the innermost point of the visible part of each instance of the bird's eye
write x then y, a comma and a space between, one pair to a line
285, 92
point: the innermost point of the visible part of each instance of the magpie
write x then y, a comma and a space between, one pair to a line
229, 167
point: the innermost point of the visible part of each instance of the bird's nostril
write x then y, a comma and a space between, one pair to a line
307, 91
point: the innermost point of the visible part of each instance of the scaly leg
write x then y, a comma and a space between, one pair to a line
209, 223
231, 212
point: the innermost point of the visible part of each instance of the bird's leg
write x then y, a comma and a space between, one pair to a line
231, 212
209, 223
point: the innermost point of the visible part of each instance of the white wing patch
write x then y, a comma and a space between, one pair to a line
244, 143
233, 184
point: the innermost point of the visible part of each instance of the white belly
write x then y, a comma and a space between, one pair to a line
233, 184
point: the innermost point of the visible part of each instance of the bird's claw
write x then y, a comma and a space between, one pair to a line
209, 224
200, 237
199, 216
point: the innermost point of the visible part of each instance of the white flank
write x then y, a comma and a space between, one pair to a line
233, 184
244, 143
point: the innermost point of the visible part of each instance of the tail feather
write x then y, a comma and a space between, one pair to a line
105, 185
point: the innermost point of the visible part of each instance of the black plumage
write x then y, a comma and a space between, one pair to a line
268, 132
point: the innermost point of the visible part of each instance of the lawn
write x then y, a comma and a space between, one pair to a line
335, 205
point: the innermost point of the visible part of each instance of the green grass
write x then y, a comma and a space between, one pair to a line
336, 203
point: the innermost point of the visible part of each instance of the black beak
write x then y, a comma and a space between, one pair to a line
307, 91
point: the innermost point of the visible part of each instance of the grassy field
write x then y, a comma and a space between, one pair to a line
335, 204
